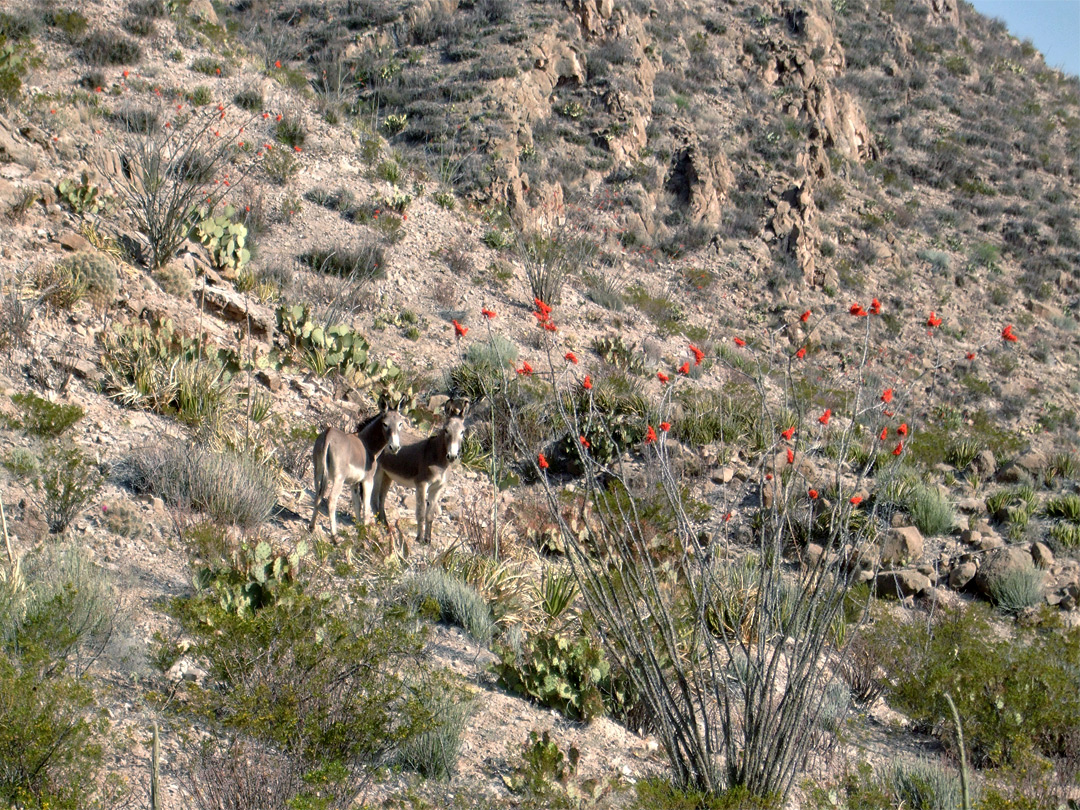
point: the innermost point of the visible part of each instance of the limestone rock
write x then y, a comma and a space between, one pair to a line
901, 583
203, 11
1041, 555
237, 307
960, 576
902, 545
984, 465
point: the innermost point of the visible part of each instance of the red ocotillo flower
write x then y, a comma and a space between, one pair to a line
587, 382
790, 456
884, 434
875, 307
857, 310
584, 442
933, 320
542, 462
739, 341
902, 430
662, 377
805, 316
813, 493
886, 395
898, 449
650, 435
685, 368
1007, 334
855, 500
459, 330
571, 357
525, 368
801, 353
789, 433
824, 418
665, 426
487, 313
699, 355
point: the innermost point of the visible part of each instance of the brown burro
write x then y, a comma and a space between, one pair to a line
349, 459
424, 465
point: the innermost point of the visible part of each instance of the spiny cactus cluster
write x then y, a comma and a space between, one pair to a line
94, 273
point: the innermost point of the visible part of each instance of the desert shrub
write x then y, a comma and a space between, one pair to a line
102, 48
605, 290
137, 119
49, 756
231, 488
281, 166
365, 260
492, 355
163, 371
123, 519
43, 418
549, 260
199, 96
139, 26
59, 286
1066, 507
923, 785
434, 751
71, 23
440, 594
990, 677
330, 682
65, 612
67, 481
249, 98
209, 66
1016, 590
928, 508
568, 672
290, 131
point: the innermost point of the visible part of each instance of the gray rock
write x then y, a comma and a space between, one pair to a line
984, 465
901, 583
998, 563
960, 576
1041, 554
902, 545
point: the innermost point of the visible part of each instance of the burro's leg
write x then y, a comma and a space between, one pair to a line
331, 502
434, 509
421, 509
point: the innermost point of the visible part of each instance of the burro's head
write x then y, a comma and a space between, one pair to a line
455, 427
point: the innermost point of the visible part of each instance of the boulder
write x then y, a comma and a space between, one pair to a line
984, 465
901, 583
1041, 555
233, 306
203, 11
960, 576
902, 545
998, 563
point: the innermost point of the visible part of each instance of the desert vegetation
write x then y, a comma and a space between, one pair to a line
770, 489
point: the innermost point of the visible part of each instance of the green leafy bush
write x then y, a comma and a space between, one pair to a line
230, 488
330, 682
362, 262
923, 785
1016, 695
566, 672
43, 418
103, 48
67, 481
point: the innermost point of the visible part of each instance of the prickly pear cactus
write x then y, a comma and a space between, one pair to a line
342, 348
225, 240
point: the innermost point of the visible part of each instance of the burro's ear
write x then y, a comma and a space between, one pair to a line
384, 402
456, 407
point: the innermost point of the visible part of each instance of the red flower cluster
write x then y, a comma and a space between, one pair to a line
665, 426
898, 449
543, 315
699, 355
685, 368
739, 342
886, 396
650, 435
813, 493
789, 433
801, 353
459, 330
875, 307
884, 434
525, 369
1007, 334
790, 456
824, 418
487, 313
662, 377
933, 320
805, 316
584, 442
855, 500
542, 462
587, 382
857, 310
571, 357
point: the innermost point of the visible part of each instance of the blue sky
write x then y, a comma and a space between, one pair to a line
1053, 26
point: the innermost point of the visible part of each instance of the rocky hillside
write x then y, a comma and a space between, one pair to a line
823, 255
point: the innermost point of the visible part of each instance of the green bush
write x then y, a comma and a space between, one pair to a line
1066, 507
67, 481
928, 509
250, 99
1016, 590
451, 600
209, 66
43, 418
566, 672
230, 488
290, 131
365, 261
102, 48
434, 751
72, 23
330, 682
923, 785
64, 614
1016, 695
